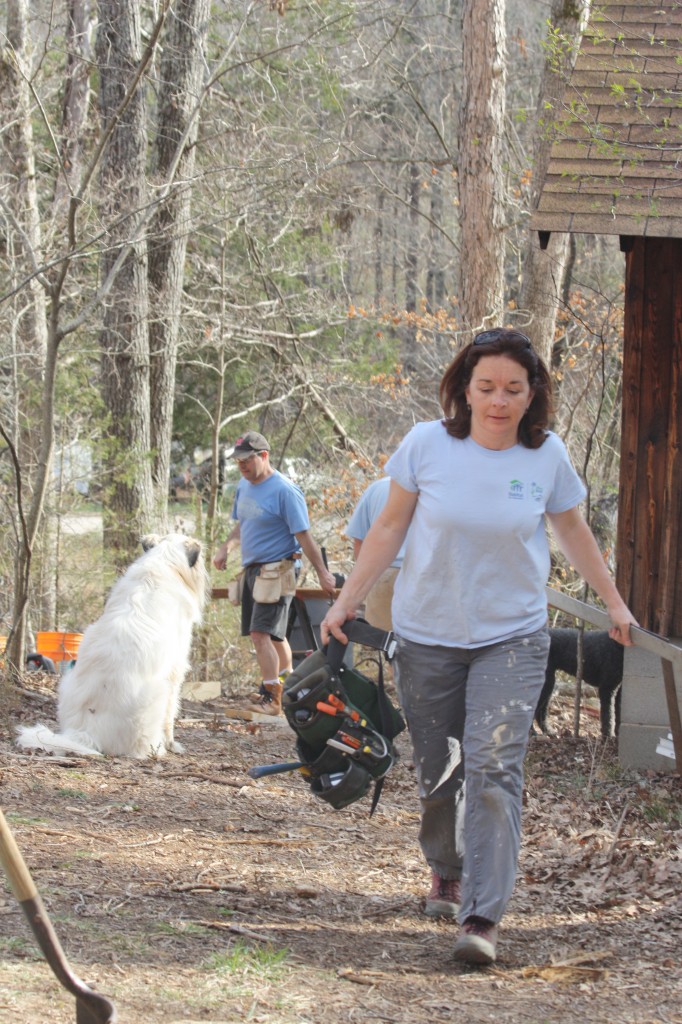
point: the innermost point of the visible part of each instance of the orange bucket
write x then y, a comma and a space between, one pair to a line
59, 646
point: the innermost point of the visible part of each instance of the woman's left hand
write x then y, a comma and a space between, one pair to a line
622, 618
333, 621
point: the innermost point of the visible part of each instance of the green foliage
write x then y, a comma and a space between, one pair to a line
662, 810
242, 959
558, 48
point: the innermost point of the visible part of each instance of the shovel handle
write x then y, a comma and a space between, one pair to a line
91, 1007
17, 873
26, 893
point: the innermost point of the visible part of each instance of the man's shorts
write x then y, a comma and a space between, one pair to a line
263, 618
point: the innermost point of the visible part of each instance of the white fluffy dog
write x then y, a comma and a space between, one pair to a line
123, 694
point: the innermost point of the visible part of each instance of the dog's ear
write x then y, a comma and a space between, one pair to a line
150, 540
193, 550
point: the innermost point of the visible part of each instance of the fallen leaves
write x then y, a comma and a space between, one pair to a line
571, 971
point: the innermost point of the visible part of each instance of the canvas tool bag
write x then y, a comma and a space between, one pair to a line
235, 588
344, 722
274, 580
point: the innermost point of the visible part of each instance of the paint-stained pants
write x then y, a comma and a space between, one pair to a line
469, 713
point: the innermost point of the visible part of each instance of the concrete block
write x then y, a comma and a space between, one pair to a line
201, 689
637, 747
643, 700
638, 662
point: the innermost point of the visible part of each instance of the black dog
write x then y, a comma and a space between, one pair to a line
602, 668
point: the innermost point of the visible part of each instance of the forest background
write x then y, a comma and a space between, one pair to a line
267, 214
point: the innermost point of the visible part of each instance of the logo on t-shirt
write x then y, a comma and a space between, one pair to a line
517, 490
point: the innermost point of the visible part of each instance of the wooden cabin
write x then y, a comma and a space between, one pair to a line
616, 169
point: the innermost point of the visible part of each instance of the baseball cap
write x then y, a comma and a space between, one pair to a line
249, 443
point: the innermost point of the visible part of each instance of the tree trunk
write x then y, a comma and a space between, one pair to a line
379, 296
27, 341
76, 97
481, 180
124, 335
544, 270
435, 280
174, 157
411, 271
18, 171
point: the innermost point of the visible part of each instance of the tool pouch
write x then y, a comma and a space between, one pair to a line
235, 588
342, 786
274, 580
344, 722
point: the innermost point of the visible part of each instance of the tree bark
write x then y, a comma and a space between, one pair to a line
19, 172
79, 25
481, 181
124, 335
412, 271
27, 340
173, 156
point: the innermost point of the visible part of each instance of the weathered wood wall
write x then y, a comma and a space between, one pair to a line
649, 542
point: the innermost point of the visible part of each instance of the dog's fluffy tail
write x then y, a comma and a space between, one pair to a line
39, 737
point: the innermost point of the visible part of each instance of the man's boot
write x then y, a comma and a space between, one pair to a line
257, 695
270, 700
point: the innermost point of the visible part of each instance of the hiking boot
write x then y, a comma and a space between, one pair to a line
477, 941
257, 696
444, 898
270, 701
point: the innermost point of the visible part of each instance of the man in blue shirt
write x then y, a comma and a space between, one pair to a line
272, 529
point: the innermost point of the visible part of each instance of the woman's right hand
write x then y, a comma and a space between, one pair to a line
333, 621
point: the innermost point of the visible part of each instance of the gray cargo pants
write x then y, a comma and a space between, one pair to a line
469, 713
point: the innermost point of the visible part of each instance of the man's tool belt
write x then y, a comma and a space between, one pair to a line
235, 588
273, 581
344, 722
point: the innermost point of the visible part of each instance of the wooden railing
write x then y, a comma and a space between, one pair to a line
669, 653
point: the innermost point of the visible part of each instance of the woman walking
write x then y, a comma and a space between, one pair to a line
476, 490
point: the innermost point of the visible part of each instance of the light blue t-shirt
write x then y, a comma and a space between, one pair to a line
477, 555
269, 514
366, 511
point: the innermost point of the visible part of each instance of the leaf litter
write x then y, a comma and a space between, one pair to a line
186, 891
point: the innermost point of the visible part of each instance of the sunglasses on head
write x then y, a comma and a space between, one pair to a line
488, 337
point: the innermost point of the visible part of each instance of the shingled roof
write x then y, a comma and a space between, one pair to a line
616, 163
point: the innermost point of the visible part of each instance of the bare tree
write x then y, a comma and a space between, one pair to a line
124, 338
544, 269
326, 193
28, 341
79, 25
36, 370
178, 100
481, 179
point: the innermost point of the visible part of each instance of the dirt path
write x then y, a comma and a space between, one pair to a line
187, 892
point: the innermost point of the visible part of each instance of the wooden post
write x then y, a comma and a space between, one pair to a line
649, 555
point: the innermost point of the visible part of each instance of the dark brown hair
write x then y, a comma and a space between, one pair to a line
456, 379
